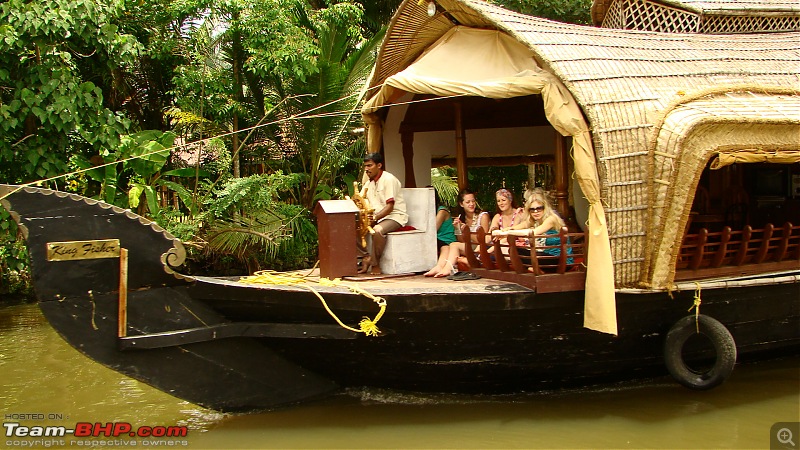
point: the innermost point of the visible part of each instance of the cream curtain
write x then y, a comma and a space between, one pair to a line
491, 64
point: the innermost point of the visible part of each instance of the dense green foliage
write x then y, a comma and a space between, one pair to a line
52, 55
571, 11
173, 109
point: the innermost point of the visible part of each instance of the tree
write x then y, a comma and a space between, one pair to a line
322, 109
49, 108
570, 11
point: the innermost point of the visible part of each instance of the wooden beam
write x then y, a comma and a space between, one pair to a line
561, 193
461, 145
515, 160
122, 311
407, 138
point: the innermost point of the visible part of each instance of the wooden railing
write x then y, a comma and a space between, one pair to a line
741, 252
530, 266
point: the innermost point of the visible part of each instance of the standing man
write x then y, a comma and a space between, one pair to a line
384, 195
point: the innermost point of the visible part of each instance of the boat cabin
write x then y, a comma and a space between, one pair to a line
674, 151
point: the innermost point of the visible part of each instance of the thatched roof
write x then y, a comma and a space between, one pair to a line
626, 83
698, 16
713, 7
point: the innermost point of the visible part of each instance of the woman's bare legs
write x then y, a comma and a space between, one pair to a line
447, 267
440, 264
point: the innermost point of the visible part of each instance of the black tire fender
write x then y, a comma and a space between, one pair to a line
724, 346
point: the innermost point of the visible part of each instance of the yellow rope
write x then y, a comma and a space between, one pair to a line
696, 306
367, 326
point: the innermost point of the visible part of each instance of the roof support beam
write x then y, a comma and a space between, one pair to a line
461, 145
561, 193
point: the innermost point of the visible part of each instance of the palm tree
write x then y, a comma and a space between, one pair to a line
316, 133
318, 102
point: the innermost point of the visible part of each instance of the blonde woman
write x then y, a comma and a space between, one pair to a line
541, 220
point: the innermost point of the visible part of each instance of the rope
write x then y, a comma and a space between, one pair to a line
304, 115
696, 306
367, 326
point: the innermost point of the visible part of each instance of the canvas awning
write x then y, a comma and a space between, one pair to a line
723, 158
489, 63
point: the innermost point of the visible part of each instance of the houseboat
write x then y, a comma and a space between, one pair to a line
672, 129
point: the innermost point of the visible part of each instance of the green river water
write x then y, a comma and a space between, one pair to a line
46, 384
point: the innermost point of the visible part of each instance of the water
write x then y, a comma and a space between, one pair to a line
41, 374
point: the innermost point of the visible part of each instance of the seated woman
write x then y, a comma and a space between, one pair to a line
475, 219
445, 236
508, 216
541, 220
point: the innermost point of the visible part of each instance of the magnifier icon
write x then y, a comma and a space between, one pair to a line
785, 436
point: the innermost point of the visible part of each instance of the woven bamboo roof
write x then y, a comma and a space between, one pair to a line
712, 7
625, 82
698, 16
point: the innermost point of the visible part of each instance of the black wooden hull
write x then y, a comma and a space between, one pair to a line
237, 347
506, 341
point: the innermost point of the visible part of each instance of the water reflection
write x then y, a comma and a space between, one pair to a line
42, 374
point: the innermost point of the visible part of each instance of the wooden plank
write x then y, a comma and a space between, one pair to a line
122, 311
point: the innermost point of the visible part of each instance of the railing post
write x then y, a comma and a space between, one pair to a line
765, 238
797, 248
534, 257
486, 261
719, 256
513, 255
783, 246
562, 257
747, 233
499, 257
697, 257
469, 253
